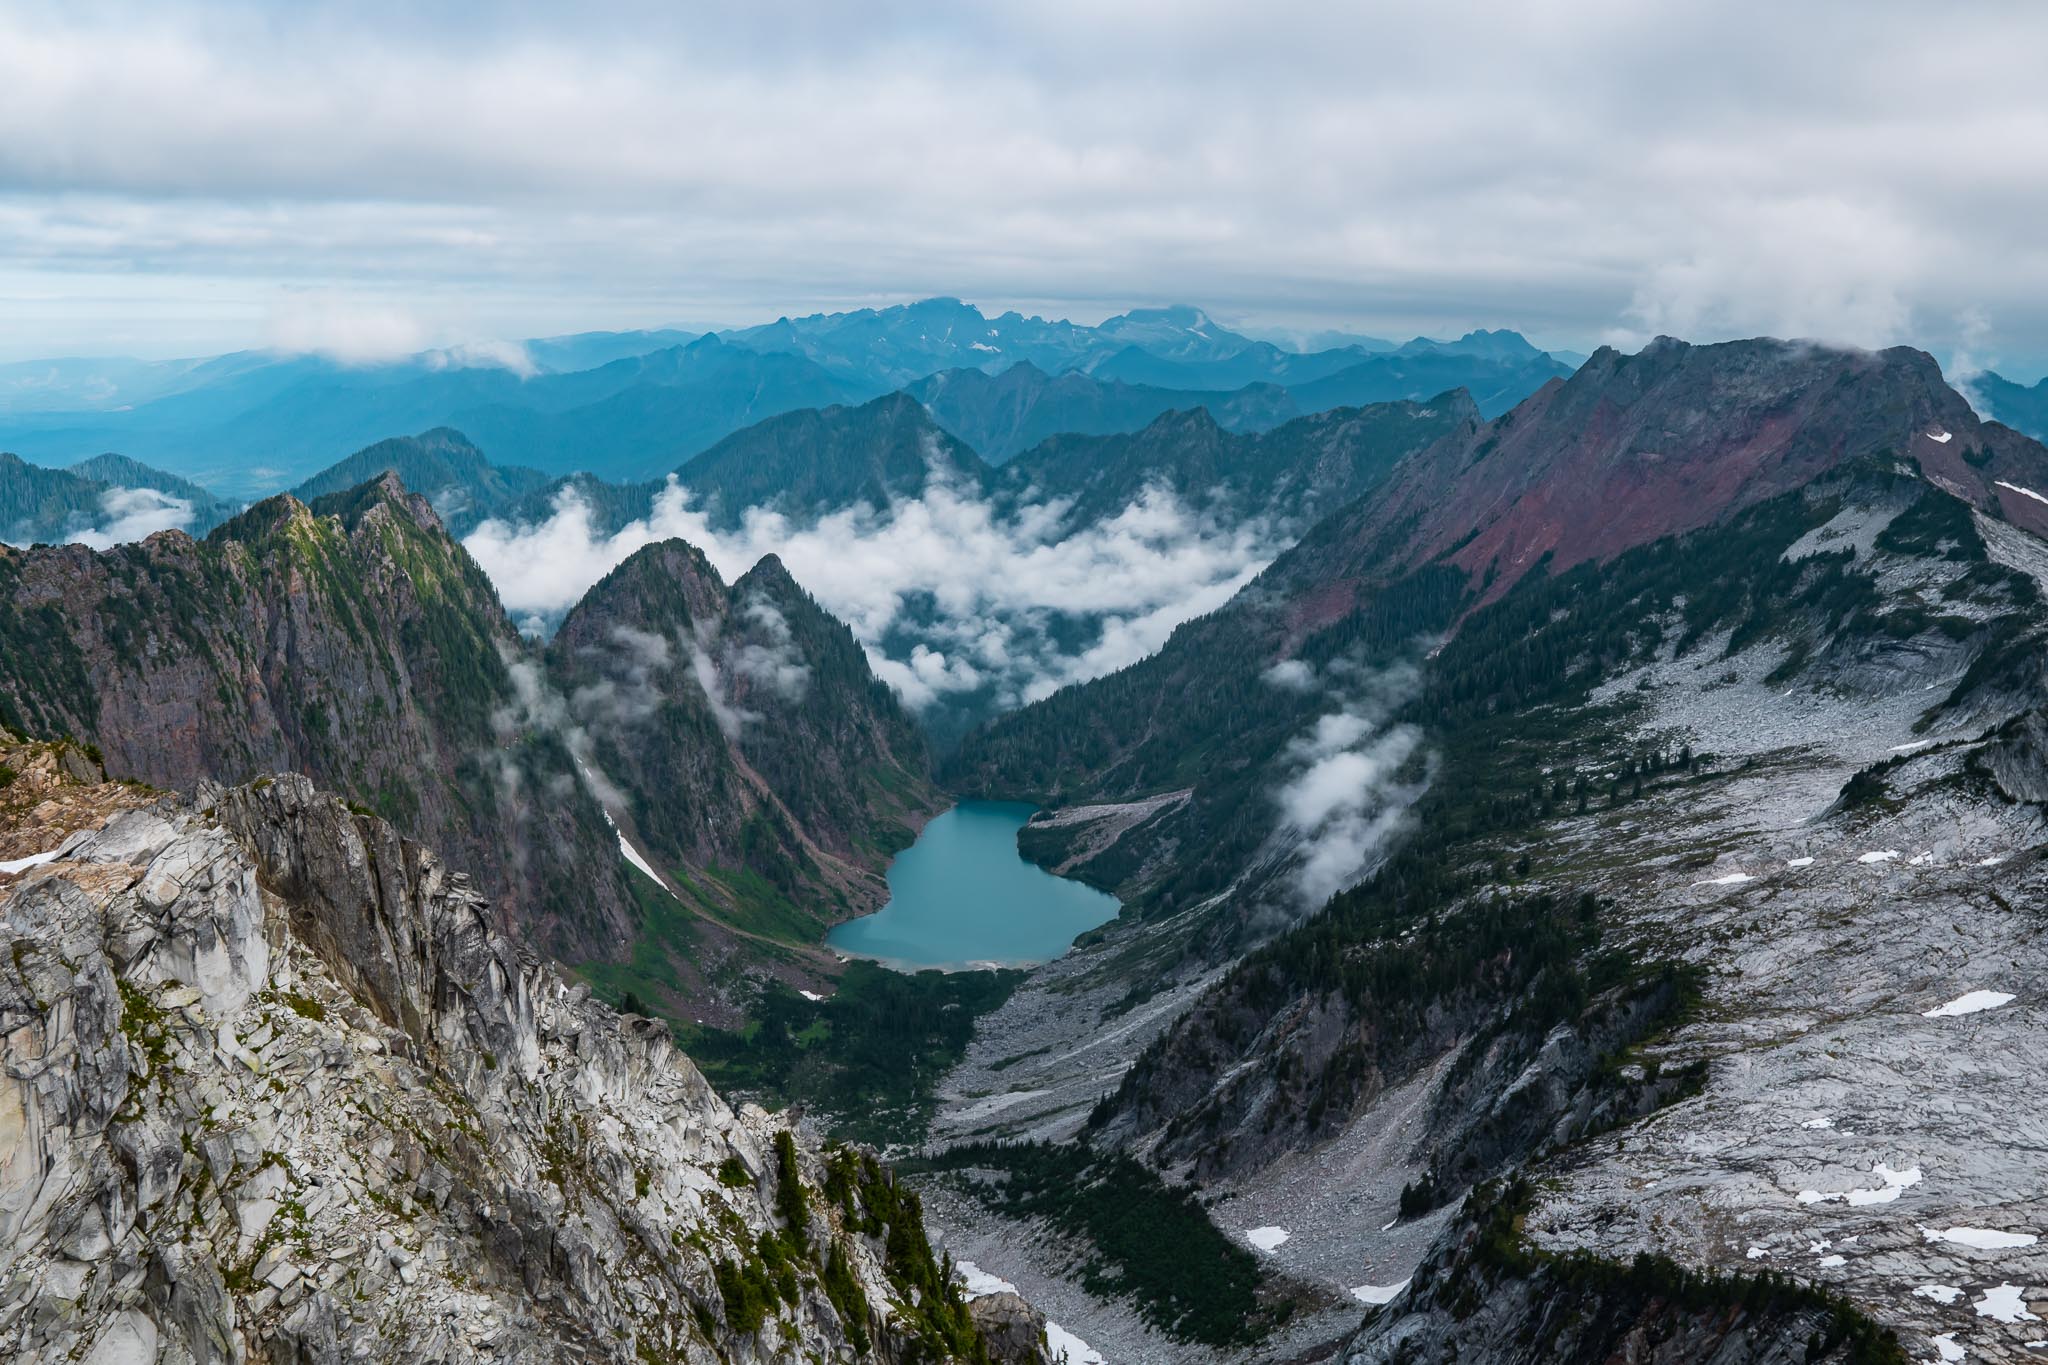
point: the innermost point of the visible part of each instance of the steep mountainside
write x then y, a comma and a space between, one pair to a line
757, 762
106, 497
38, 504
1497, 378
278, 1091
357, 644
1674, 1000
1295, 472
1631, 449
649, 413
818, 461
1001, 415
441, 466
1673, 438
2019, 406
118, 471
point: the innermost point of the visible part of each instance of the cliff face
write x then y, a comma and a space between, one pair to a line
734, 732
1674, 438
757, 758
276, 1089
357, 644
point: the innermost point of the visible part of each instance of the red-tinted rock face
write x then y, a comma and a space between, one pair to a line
1634, 448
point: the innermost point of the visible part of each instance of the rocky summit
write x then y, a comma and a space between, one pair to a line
277, 1090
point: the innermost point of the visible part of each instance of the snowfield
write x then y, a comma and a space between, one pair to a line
1983, 1239
1895, 1184
1969, 1004
1266, 1239
2004, 1304
1378, 1293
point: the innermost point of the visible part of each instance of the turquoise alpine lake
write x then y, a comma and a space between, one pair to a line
962, 896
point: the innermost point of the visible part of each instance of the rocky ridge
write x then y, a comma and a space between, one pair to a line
1794, 757
276, 1089
353, 640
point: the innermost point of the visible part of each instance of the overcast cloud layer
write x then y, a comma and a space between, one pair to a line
176, 175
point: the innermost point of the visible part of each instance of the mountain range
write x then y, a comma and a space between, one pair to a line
1578, 859
354, 640
1516, 805
631, 405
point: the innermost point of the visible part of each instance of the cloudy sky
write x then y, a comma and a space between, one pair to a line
178, 178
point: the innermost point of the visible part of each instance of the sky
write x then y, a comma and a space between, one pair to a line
179, 178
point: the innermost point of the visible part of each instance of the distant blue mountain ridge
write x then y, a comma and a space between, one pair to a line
629, 406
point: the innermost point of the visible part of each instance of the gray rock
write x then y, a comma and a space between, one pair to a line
538, 1177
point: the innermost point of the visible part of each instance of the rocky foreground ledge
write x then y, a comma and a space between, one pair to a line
274, 1090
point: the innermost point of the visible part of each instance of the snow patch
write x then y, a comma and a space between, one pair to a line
1895, 1184
1732, 879
1800, 862
32, 860
810, 996
1881, 856
2026, 492
1062, 1345
1266, 1239
1941, 437
633, 857
1378, 1293
1972, 1003
1946, 1344
1983, 1239
2004, 1304
1757, 1253
1830, 1262
1818, 1123
978, 1282
1940, 1293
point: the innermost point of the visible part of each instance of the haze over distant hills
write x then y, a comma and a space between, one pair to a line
633, 405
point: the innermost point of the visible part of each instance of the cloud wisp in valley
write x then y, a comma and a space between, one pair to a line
948, 593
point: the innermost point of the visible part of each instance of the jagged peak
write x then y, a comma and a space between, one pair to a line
1194, 421
384, 495
769, 571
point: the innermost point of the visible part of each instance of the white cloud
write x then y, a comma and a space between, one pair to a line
731, 718
485, 355
1291, 675
133, 513
1971, 359
346, 332
1344, 797
947, 592
775, 664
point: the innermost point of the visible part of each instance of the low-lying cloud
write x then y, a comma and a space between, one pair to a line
1351, 777
133, 513
948, 593
773, 662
